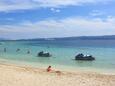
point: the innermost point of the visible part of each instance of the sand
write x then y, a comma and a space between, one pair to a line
15, 75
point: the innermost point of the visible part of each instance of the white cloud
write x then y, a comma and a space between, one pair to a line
55, 10
58, 28
9, 5
97, 13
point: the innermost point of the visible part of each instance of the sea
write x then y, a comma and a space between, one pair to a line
63, 54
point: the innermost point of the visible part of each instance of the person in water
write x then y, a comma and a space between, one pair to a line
49, 69
28, 52
4, 49
17, 50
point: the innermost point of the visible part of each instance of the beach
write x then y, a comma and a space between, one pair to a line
15, 75
57, 42
23, 69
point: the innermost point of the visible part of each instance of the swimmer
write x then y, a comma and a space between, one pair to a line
28, 52
4, 49
17, 50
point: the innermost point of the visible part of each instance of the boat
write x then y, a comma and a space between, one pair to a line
84, 57
44, 54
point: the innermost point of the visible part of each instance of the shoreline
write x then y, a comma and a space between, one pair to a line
57, 67
19, 75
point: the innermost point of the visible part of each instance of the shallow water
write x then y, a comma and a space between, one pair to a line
63, 53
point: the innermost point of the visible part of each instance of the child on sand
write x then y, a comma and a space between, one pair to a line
49, 69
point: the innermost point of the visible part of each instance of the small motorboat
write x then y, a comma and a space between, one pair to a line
44, 54
84, 57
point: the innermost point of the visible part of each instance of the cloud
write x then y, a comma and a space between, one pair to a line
97, 13
55, 10
60, 28
10, 5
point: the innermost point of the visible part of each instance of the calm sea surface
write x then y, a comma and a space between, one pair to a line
63, 52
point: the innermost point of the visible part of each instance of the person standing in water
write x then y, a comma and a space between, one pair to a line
4, 49
17, 50
28, 52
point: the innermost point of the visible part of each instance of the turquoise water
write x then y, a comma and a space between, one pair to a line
63, 53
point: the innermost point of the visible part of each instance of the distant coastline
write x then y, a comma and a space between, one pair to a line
105, 37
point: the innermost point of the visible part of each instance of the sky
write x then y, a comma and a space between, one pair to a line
23, 19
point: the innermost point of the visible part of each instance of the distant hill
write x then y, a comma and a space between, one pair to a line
106, 37
2, 39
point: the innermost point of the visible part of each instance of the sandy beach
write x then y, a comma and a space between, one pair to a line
13, 75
